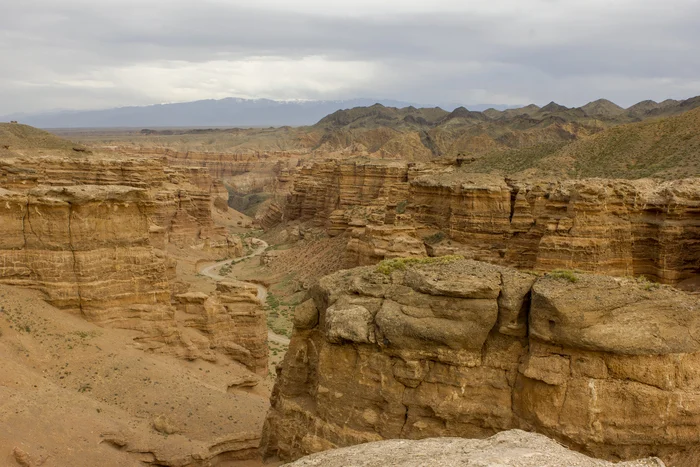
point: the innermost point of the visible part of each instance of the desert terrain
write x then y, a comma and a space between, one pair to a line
247, 297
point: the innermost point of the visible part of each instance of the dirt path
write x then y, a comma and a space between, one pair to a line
262, 290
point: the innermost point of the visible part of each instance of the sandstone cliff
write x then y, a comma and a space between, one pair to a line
88, 248
637, 227
451, 347
93, 233
230, 321
178, 205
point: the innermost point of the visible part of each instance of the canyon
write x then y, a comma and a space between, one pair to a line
205, 298
91, 235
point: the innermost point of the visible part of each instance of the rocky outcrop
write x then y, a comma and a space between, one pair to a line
230, 321
88, 248
325, 187
419, 348
617, 227
178, 205
374, 243
512, 448
85, 246
92, 234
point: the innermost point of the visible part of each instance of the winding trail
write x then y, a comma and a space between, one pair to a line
262, 290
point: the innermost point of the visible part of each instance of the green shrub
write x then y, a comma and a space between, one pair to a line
401, 207
435, 238
564, 274
646, 283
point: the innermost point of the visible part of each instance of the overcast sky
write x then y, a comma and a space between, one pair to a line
87, 54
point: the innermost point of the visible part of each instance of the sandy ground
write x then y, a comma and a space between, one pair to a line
68, 386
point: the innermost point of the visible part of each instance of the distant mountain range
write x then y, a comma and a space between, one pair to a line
429, 133
229, 112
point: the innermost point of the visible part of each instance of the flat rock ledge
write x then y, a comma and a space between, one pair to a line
513, 448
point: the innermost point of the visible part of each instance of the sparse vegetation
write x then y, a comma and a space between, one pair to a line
86, 334
401, 207
435, 238
564, 274
225, 270
646, 284
278, 315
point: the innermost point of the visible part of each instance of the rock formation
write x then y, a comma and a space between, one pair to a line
231, 322
177, 205
219, 165
512, 448
638, 227
89, 249
419, 348
93, 234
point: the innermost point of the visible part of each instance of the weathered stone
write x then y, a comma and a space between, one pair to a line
306, 315
90, 233
612, 315
513, 448
617, 376
350, 322
616, 227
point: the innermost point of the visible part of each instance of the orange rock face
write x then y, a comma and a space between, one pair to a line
221, 165
233, 321
91, 234
468, 349
617, 227
177, 205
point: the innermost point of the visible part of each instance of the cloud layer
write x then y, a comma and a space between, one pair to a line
85, 54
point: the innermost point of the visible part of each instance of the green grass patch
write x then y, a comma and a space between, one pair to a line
564, 274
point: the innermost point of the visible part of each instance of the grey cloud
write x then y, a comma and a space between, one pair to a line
433, 57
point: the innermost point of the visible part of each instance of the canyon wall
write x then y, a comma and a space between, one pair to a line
94, 233
178, 203
440, 347
618, 227
219, 165
231, 321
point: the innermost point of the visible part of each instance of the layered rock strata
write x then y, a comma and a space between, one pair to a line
178, 205
88, 248
220, 165
618, 227
463, 348
92, 232
231, 321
